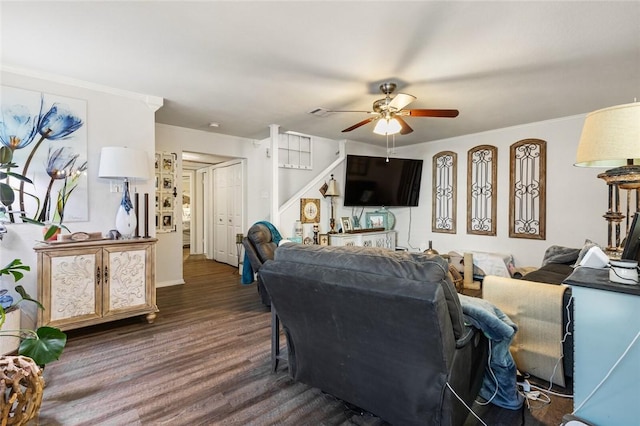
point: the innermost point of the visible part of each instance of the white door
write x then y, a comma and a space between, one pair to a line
228, 194
234, 211
220, 183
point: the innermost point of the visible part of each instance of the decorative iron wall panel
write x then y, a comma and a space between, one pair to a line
481, 190
443, 216
527, 189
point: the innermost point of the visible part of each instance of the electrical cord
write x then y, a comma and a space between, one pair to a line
495, 379
465, 404
409, 230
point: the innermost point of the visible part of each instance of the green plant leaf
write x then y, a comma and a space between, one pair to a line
25, 296
6, 155
19, 177
15, 268
7, 197
47, 347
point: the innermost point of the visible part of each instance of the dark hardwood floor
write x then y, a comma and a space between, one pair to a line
205, 361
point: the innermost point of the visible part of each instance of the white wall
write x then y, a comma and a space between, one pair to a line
178, 139
576, 198
114, 118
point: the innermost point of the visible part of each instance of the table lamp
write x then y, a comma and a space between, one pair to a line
611, 138
332, 191
124, 163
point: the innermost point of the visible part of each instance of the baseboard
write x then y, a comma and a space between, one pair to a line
169, 283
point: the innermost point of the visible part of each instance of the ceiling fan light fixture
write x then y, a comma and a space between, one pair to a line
387, 127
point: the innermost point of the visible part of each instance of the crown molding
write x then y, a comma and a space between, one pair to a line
153, 102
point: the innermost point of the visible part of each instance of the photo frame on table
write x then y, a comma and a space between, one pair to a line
378, 220
347, 226
323, 239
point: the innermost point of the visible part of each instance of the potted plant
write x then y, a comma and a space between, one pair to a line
22, 374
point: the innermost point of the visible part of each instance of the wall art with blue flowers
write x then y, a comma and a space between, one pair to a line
48, 137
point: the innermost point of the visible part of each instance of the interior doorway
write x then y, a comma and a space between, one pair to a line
201, 206
187, 189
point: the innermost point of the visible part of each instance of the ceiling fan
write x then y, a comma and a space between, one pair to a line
390, 110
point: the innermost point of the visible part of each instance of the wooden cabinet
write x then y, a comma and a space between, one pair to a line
382, 239
87, 283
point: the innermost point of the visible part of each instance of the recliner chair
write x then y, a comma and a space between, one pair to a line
382, 330
259, 246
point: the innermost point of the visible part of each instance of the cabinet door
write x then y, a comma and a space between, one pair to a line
127, 279
71, 281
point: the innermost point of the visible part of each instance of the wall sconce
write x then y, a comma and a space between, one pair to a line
611, 138
124, 163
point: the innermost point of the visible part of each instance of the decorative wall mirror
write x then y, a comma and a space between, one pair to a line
527, 189
482, 190
443, 216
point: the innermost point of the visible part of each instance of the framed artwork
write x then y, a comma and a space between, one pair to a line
309, 210
445, 187
47, 134
165, 180
482, 183
167, 220
346, 224
324, 239
377, 220
527, 189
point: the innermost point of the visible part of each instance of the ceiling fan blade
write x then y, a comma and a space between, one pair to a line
447, 113
405, 128
350, 110
362, 123
401, 100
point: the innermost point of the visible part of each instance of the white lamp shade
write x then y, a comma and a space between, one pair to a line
332, 190
610, 137
387, 127
122, 162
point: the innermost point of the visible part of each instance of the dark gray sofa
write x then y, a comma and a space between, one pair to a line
379, 329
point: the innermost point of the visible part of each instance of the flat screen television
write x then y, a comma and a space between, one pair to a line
382, 182
631, 249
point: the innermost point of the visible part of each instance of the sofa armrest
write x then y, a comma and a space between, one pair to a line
467, 336
537, 310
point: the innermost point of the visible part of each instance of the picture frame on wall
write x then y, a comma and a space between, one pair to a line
167, 220
165, 181
377, 220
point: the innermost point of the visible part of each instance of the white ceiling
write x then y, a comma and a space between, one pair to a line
247, 65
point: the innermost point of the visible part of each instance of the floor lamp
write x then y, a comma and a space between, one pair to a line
611, 138
124, 163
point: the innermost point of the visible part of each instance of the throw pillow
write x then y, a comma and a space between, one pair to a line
587, 245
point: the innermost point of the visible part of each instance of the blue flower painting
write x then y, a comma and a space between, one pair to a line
48, 137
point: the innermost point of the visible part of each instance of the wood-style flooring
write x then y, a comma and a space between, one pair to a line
205, 361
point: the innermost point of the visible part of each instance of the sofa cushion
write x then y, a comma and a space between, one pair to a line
551, 273
383, 262
560, 254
